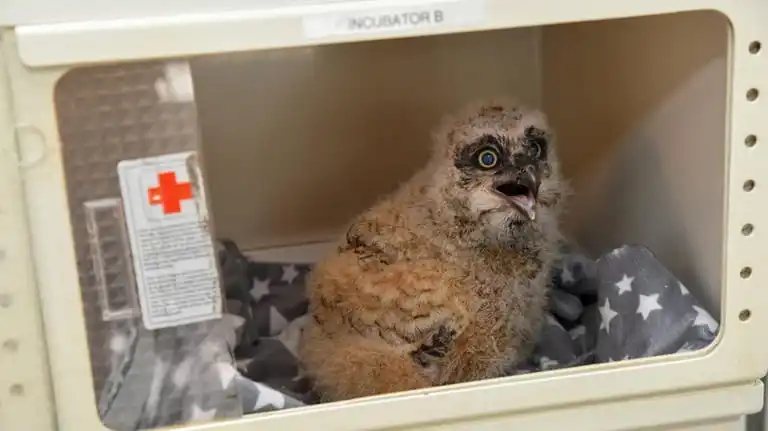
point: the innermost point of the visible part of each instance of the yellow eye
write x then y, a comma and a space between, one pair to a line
487, 159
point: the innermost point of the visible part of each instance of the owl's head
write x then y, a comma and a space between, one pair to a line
495, 165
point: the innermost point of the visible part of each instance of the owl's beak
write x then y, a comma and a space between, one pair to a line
522, 192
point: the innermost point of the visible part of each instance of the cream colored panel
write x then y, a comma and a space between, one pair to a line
731, 424
26, 401
315, 135
20, 12
640, 108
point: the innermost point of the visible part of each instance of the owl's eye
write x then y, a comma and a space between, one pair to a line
487, 159
537, 150
537, 139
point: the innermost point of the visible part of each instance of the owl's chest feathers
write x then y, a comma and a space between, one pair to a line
503, 299
502, 290
489, 292
414, 275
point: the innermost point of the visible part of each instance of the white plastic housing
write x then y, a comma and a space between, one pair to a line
300, 132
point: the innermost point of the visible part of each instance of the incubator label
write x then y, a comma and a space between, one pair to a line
456, 13
174, 258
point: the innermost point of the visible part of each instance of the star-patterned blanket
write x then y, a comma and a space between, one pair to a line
624, 305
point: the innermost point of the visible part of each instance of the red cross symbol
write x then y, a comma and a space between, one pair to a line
169, 193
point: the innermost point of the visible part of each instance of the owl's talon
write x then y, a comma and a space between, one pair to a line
436, 347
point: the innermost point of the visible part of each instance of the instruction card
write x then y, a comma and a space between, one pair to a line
394, 18
174, 258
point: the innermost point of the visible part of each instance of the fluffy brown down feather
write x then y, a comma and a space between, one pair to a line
445, 280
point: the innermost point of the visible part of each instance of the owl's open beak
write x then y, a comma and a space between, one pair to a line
522, 192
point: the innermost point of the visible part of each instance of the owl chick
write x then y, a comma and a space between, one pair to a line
446, 279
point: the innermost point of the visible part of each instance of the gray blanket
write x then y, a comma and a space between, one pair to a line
624, 305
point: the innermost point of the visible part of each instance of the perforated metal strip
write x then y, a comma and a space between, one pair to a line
25, 398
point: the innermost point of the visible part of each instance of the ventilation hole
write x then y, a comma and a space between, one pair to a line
752, 94
749, 185
744, 315
754, 47
750, 140
746, 272
17, 390
747, 229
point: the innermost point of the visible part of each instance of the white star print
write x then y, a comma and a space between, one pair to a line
277, 322
566, 277
208, 350
578, 331
233, 322
547, 363
118, 343
158, 374
268, 396
290, 335
618, 252
625, 284
647, 304
198, 414
260, 289
687, 347
182, 372
242, 364
704, 319
226, 373
289, 273
553, 322
606, 315
683, 290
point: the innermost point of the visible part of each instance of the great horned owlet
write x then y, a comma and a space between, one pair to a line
445, 280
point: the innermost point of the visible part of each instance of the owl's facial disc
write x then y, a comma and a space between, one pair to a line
500, 174
520, 192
